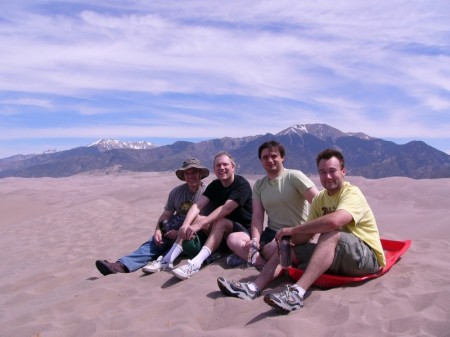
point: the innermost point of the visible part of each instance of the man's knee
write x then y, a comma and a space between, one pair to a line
237, 239
329, 238
232, 239
223, 225
268, 249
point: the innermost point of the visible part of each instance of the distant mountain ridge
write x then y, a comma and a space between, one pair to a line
365, 155
321, 131
111, 144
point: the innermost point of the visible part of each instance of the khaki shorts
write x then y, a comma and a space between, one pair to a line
352, 256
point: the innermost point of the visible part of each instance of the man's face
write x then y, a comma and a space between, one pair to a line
331, 174
192, 176
271, 160
224, 168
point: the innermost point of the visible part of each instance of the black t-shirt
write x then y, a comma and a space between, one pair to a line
239, 191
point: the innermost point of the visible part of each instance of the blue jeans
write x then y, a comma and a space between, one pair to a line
148, 251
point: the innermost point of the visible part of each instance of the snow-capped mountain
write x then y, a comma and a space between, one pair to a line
321, 131
111, 144
50, 151
365, 156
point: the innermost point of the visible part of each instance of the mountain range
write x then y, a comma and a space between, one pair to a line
365, 155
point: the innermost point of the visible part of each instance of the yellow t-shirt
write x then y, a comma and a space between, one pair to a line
351, 199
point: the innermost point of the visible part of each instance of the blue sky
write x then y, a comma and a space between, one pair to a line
74, 72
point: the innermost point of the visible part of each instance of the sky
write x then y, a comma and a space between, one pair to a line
73, 72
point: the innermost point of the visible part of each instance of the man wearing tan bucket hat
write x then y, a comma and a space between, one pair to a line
178, 203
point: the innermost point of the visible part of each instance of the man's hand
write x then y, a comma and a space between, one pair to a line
187, 232
287, 231
249, 243
190, 233
182, 231
158, 238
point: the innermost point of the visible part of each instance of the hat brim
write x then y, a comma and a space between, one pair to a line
204, 172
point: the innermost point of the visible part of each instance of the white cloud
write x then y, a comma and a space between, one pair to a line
225, 68
28, 101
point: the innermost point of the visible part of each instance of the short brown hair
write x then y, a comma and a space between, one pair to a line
272, 145
328, 153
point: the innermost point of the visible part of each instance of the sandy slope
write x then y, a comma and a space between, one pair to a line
52, 231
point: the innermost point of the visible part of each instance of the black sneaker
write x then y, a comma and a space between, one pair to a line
236, 289
234, 261
286, 301
212, 258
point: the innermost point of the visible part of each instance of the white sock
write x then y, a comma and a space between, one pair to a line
201, 256
300, 290
173, 253
252, 286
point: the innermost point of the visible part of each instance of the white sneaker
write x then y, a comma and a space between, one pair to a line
157, 265
186, 271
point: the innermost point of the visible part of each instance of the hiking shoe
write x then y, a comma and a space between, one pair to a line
107, 268
157, 265
286, 301
186, 271
212, 258
234, 261
237, 289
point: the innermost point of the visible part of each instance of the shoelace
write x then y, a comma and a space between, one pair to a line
237, 285
288, 293
188, 268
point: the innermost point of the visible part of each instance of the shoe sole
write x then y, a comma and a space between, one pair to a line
223, 285
103, 268
179, 276
146, 271
223, 288
280, 306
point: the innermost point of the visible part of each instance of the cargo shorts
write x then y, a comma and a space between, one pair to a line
352, 256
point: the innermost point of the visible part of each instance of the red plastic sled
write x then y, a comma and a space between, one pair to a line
393, 250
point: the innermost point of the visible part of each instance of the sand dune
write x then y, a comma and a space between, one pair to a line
53, 230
